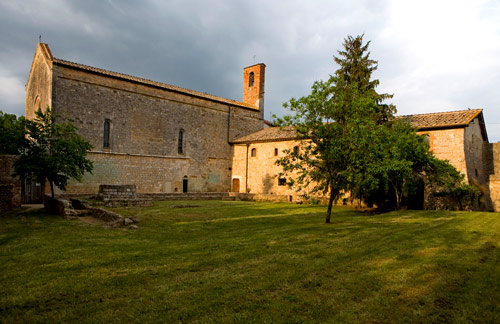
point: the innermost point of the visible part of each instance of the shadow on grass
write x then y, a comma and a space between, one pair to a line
255, 263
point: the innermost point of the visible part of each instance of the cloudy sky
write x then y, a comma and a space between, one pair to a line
434, 55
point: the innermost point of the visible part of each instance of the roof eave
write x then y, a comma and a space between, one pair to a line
152, 84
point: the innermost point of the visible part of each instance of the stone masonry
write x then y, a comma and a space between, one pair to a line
162, 138
10, 187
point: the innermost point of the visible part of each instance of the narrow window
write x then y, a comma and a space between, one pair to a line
250, 79
180, 143
254, 152
107, 128
296, 150
275, 152
37, 103
281, 181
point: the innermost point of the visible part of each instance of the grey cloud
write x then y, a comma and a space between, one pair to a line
203, 45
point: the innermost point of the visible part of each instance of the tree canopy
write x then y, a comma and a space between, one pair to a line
53, 151
12, 138
350, 140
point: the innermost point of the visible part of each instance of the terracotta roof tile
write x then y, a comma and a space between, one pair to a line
270, 134
447, 119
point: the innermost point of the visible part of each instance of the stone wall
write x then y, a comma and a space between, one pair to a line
39, 84
10, 187
493, 164
263, 173
153, 174
448, 144
144, 134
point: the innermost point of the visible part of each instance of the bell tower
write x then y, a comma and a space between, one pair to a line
253, 86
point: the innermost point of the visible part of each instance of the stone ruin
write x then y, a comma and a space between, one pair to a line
109, 196
121, 196
74, 208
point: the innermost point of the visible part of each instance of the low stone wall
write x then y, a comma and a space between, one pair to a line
56, 206
117, 192
10, 187
260, 197
10, 196
186, 196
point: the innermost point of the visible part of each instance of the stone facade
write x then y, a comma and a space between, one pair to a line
493, 173
257, 173
464, 144
166, 140
159, 137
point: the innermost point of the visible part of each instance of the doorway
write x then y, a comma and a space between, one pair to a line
236, 185
32, 191
185, 184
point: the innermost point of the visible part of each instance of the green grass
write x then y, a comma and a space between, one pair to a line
240, 262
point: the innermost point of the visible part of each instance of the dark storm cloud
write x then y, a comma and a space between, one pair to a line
195, 44
204, 45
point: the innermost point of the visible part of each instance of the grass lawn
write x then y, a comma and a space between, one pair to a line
241, 262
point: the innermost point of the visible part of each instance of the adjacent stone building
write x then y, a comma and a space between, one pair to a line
457, 136
166, 139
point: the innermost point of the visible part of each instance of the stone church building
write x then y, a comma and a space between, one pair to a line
167, 139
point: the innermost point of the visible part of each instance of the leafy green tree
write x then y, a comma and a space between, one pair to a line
351, 142
338, 124
446, 181
53, 151
11, 134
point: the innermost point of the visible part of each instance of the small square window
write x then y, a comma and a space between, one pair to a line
281, 181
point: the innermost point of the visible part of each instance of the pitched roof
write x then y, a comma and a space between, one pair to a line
271, 134
448, 119
143, 81
431, 121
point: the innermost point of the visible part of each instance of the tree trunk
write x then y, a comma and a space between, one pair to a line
397, 199
330, 204
51, 188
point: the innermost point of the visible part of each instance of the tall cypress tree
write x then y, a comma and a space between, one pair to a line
355, 69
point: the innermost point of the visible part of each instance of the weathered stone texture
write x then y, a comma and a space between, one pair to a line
465, 149
448, 144
493, 164
10, 187
117, 191
39, 85
145, 121
263, 173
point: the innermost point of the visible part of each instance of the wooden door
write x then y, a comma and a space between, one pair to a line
236, 185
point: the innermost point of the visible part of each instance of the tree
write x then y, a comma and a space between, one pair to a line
338, 124
53, 151
11, 134
351, 142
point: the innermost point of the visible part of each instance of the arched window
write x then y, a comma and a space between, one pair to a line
254, 152
107, 130
180, 142
37, 103
251, 79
